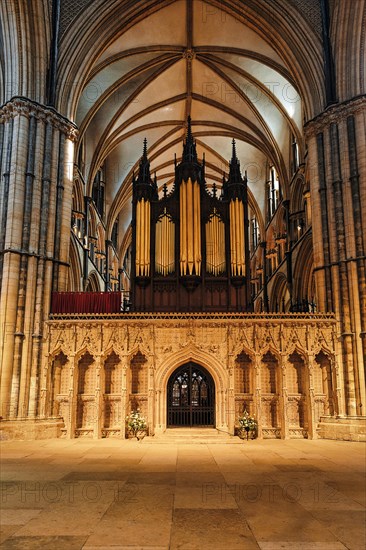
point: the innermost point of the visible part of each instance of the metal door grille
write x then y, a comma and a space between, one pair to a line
191, 397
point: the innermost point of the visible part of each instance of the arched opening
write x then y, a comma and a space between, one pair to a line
191, 397
92, 284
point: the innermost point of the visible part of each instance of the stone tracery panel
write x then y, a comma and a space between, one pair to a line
86, 405
112, 391
323, 380
270, 395
59, 382
281, 398
297, 383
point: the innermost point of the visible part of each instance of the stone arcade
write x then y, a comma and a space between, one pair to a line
280, 368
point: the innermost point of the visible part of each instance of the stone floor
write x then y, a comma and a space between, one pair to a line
111, 494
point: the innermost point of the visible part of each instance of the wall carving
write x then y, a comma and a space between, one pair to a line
282, 369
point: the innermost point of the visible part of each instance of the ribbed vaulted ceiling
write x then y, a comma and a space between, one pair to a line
188, 58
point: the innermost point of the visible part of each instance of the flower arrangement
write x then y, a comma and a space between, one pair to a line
247, 424
136, 424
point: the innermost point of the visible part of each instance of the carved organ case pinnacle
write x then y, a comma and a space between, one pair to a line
190, 248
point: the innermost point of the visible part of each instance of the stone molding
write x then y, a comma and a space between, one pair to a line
334, 113
25, 107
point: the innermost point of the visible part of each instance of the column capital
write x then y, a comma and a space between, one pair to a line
334, 113
22, 106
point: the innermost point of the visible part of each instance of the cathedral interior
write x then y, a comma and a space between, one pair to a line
183, 194
182, 242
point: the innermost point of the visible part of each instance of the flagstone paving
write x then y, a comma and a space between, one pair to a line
113, 494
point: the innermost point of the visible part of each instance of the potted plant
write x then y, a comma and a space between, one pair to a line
247, 424
136, 425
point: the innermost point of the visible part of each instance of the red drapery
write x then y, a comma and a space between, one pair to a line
86, 302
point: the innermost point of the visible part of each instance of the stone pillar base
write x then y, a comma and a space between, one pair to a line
350, 428
30, 429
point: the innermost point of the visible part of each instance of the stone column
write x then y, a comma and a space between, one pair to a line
258, 394
99, 398
150, 399
158, 428
339, 238
73, 396
231, 397
312, 433
46, 389
34, 241
283, 399
124, 397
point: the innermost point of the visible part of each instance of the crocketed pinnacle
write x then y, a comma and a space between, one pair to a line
234, 172
189, 148
144, 167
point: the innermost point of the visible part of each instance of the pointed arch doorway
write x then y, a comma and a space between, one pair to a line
191, 397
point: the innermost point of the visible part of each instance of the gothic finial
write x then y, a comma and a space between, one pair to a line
189, 149
234, 172
214, 189
144, 167
234, 150
189, 127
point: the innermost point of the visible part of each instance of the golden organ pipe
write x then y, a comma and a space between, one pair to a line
185, 198
197, 228
216, 242
172, 245
166, 244
190, 232
161, 245
138, 240
232, 240
142, 233
208, 246
237, 236
239, 239
211, 246
181, 228
214, 224
161, 233
241, 225
157, 246
183, 234
220, 246
143, 237
148, 238
223, 246
189, 226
